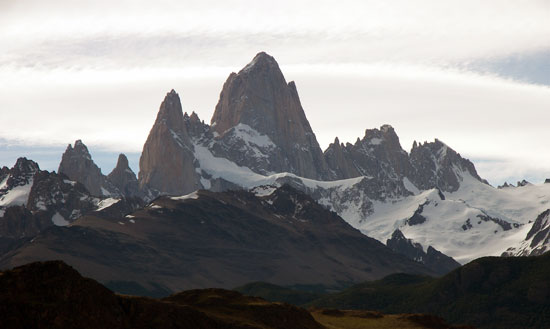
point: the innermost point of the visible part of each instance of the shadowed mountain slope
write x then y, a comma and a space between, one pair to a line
224, 239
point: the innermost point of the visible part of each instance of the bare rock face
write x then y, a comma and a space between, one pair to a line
20, 175
260, 107
438, 166
77, 164
16, 184
4, 172
537, 241
338, 159
432, 258
378, 155
32, 200
124, 178
167, 163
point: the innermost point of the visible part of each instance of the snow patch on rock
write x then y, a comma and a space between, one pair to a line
17, 196
251, 136
106, 203
264, 190
192, 196
59, 220
410, 186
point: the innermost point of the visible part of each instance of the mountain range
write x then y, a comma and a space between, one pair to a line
429, 205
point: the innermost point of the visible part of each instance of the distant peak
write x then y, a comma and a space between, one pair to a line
262, 59
194, 117
79, 147
122, 161
523, 183
386, 128
25, 165
170, 111
397, 235
172, 97
263, 56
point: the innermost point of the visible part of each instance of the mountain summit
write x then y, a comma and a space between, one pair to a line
258, 98
166, 163
124, 178
259, 135
78, 165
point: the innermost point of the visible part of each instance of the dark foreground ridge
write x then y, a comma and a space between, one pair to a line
54, 295
490, 292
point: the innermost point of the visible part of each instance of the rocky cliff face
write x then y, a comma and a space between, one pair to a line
436, 165
77, 164
537, 241
259, 124
16, 183
339, 160
258, 107
432, 258
167, 163
378, 155
32, 200
123, 178
260, 136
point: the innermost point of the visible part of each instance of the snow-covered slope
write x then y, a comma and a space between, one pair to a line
537, 240
16, 196
32, 200
16, 184
477, 220
474, 221
260, 136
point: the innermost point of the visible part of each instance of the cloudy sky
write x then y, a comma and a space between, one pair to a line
474, 74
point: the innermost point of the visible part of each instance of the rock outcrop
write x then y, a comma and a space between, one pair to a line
257, 106
167, 163
77, 164
505, 185
432, 258
378, 155
537, 241
436, 165
338, 159
123, 178
16, 183
32, 200
21, 174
